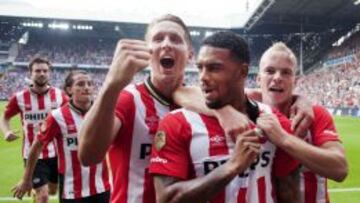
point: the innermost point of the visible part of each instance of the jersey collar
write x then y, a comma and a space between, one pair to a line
38, 93
76, 109
156, 93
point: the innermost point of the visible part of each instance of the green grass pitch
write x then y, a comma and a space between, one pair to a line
11, 164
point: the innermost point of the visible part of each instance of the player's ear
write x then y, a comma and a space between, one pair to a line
68, 91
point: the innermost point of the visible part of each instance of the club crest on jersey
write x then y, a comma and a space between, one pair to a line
160, 140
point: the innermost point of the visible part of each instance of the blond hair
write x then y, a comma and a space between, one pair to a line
280, 47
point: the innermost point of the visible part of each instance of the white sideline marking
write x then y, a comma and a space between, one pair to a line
24, 198
354, 189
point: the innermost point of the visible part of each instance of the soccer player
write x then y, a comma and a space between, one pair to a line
194, 160
34, 103
325, 156
78, 184
124, 118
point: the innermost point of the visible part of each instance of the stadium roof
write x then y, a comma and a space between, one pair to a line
288, 16
201, 13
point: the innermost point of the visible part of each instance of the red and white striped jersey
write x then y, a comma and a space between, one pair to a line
313, 187
63, 125
192, 145
33, 109
139, 109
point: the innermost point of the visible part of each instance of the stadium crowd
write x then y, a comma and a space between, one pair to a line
337, 80
73, 51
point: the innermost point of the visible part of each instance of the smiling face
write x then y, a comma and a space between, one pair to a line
277, 78
171, 50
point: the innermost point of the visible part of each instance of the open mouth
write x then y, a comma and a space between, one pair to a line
167, 62
274, 89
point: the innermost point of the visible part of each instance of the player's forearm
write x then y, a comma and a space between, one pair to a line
191, 98
96, 133
254, 94
34, 154
328, 160
288, 188
4, 125
199, 189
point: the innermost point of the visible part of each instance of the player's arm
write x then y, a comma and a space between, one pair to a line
170, 189
10, 111
288, 188
190, 97
9, 135
231, 120
25, 185
327, 160
254, 94
49, 130
201, 189
100, 124
301, 112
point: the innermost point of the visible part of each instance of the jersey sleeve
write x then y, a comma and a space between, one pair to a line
323, 128
12, 108
284, 164
170, 152
49, 130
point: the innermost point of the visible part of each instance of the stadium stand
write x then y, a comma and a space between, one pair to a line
333, 69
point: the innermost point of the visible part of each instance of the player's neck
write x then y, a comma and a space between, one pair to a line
165, 87
39, 89
284, 108
240, 102
82, 105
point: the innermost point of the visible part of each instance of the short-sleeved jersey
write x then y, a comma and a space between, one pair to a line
313, 187
33, 109
63, 125
189, 145
139, 109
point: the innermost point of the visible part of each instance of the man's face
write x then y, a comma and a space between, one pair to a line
82, 89
170, 51
221, 77
40, 74
276, 78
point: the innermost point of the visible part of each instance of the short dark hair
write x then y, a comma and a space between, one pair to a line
69, 79
38, 60
229, 40
174, 19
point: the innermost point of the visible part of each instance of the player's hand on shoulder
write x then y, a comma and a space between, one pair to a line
232, 121
130, 57
301, 115
271, 127
22, 188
